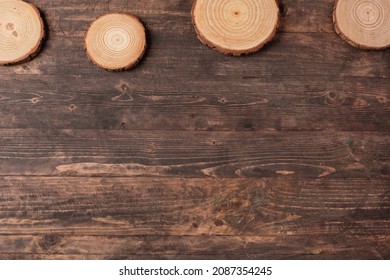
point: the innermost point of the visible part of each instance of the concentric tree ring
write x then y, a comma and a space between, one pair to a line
116, 42
21, 31
364, 24
235, 26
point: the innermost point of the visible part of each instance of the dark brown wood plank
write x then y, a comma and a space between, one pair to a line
192, 207
194, 154
286, 105
53, 246
174, 45
182, 56
174, 218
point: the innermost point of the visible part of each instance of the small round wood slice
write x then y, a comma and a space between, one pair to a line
364, 24
116, 42
235, 26
21, 31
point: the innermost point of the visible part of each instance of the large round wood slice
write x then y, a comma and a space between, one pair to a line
116, 42
21, 31
364, 24
235, 26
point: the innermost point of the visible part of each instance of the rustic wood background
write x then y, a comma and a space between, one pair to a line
284, 154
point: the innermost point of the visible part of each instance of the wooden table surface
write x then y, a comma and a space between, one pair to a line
284, 154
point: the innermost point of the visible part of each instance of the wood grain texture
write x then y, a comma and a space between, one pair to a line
58, 247
193, 154
193, 218
194, 206
284, 154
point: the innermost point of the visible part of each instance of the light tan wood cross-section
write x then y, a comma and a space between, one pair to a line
235, 26
21, 31
364, 24
116, 42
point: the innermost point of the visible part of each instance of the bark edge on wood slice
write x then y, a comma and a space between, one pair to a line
243, 26
364, 24
22, 32
115, 42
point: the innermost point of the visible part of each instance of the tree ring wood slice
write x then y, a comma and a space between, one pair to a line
116, 42
21, 31
235, 27
364, 24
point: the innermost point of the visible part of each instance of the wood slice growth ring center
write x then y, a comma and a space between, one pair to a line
363, 23
116, 42
21, 31
235, 26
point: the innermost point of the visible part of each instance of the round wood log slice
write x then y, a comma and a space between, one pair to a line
21, 31
235, 27
116, 42
364, 24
